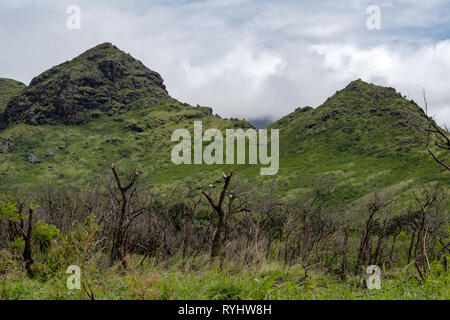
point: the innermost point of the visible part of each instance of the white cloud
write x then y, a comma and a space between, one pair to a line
244, 58
425, 69
239, 62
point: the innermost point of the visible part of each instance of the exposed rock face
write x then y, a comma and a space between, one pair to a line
50, 153
104, 79
33, 159
6, 145
304, 109
134, 127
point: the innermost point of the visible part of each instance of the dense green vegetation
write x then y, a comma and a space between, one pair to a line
274, 249
359, 136
8, 89
202, 281
356, 186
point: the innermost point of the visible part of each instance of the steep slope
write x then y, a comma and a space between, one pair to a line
362, 118
8, 89
360, 139
104, 106
103, 79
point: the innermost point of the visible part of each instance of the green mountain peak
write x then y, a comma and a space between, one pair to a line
101, 80
119, 111
10, 83
8, 89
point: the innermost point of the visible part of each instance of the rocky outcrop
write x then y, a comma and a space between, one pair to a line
32, 158
103, 80
134, 127
6, 145
50, 153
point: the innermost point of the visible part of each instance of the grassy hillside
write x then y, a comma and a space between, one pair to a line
104, 106
8, 89
308, 232
101, 107
203, 281
359, 138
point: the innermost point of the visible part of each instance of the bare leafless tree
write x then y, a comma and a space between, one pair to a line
434, 137
190, 210
438, 137
123, 216
375, 205
222, 212
426, 224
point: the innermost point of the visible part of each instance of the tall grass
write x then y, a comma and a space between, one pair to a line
199, 279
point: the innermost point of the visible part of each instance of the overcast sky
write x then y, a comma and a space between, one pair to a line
246, 59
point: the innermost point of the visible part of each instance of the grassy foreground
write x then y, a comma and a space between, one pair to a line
202, 280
